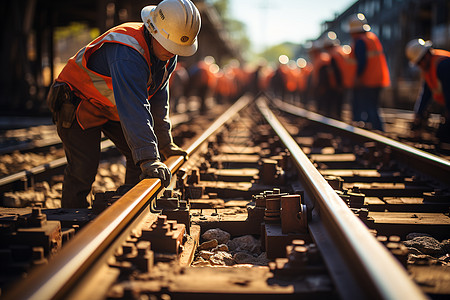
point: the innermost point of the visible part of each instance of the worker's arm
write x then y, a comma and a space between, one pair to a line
129, 72
159, 100
420, 108
423, 100
361, 57
336, 72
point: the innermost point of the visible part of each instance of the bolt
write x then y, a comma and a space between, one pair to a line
128, 248
168, 193
143, 247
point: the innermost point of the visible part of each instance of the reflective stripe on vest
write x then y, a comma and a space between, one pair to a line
346, 65
96, 90
322, 60
376, 73
91, 85
431, 75
98, 81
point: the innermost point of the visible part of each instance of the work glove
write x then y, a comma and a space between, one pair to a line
172, 150
156, 169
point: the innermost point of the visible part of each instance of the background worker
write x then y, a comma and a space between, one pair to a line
343, 70
372, 73
435, 70
322, 79
118, 85
201, 81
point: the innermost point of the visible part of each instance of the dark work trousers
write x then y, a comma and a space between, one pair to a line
82, 148
337, 100
365, 102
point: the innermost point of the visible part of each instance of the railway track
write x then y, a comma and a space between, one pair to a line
320, 203
40, 157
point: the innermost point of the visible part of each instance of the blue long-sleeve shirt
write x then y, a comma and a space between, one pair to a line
145, 122
443, 75
361, 56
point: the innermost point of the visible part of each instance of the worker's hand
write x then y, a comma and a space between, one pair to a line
156, 169
172, 150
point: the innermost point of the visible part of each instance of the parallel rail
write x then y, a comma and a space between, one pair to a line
363, 259
434, 166
379, 275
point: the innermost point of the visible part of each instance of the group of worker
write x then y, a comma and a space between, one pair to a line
334, 70
205, 80
118, 85
360, 71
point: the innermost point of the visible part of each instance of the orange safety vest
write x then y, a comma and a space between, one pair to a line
292, 80
431, 74
322, 60
97, 104
303, 77
345, 65
288, 77
376, 73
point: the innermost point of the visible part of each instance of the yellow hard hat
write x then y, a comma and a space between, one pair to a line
174, 24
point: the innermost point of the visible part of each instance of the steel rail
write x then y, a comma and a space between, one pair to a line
429, 163
56, 279
374, 267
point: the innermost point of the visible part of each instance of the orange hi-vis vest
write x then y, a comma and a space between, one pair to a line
376, 73
289, 79
345, 65
303, 77
97, 104
430, 75
322, 60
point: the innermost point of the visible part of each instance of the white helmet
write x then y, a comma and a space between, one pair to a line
416, 49
330, 39
358, 23
174, 24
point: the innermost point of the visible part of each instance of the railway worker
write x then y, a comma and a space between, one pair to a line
435, 70
322, 78
177, 86
277, 83
343, 70
302, 79
118, 85
201, 81
372, 73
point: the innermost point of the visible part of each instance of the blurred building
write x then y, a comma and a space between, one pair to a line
396, 22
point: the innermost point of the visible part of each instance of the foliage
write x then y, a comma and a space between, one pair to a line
238, 34
221, 6
235, 28
271, 54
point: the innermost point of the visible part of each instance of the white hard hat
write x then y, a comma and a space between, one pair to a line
358, 23
416, 49
330, 39
174, 24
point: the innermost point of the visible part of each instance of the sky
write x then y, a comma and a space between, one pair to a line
273, 22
